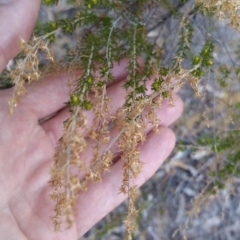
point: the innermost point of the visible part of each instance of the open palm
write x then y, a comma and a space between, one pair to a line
27, 145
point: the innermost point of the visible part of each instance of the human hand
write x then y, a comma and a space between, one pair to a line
27, 147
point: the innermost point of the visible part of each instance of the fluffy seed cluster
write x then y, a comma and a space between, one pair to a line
67, 165
27, 67
224, 9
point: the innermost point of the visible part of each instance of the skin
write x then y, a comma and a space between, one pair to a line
6, 1
27, 147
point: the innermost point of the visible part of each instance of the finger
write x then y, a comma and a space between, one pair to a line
103, 197
17, 20
117, 94
167, 115
54, 90
48, 96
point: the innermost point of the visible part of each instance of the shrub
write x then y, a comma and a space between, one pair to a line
110, 31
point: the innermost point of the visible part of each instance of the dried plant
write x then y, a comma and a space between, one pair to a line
120, 31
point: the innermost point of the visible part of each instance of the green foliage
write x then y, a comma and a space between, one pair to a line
50, 2
224, 74
185, 40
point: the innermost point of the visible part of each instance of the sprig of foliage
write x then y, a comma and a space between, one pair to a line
110, 31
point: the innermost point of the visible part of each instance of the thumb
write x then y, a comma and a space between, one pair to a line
17, 18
